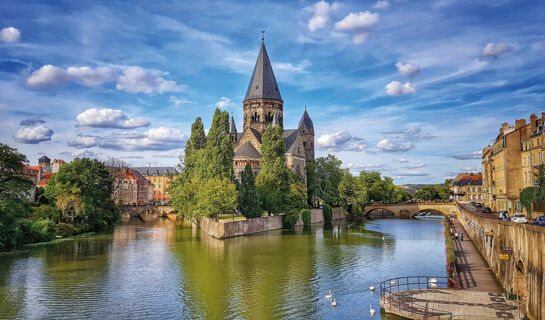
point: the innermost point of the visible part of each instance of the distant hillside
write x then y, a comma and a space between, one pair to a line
412, 187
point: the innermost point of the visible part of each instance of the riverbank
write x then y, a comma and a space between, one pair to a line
230, 229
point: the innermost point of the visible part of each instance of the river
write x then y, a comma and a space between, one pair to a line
171, 270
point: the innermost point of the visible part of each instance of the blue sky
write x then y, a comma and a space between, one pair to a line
413, 89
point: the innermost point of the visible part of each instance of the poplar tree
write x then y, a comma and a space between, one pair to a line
540, 184
194, 147
248, 198
218, 157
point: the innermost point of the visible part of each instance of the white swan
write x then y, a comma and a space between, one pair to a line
433, 280
392, 282
329, 296
372, 287
334, 303
371, 310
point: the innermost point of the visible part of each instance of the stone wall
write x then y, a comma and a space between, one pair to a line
223, 230
526, 264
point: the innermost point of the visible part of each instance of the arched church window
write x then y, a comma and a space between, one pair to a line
304, 144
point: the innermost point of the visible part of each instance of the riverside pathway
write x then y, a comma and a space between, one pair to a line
479, 297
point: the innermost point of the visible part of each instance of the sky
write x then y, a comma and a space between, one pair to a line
412, 89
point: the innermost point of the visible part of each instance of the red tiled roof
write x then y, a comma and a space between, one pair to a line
467, 177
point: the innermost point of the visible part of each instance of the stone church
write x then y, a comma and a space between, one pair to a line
263, 106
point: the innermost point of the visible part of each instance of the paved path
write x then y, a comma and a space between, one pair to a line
473, 271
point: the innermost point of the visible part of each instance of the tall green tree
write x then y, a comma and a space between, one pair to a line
540, 184
273, 180
194, 147
311, 183
353, 193
14, 187
218, 156
527, 196
328, 177
248, 197
428, 193
83, 188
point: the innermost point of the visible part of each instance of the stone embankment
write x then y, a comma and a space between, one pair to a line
522, 247
229, 229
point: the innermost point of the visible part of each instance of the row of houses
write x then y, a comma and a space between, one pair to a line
511, 162
132, 186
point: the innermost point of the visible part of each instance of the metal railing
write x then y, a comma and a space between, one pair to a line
393, 293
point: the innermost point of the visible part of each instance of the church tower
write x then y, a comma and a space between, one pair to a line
263, 103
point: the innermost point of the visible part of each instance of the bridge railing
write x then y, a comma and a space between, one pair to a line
393, 293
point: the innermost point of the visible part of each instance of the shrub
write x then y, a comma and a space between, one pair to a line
291, 218
64, 229
45, 212
328, 212
38, 231
305, 214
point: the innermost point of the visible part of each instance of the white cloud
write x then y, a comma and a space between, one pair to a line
495, 50
390, 145
381, 5
90, 77
410, 70
33, 135
395, 88
358, 24
46, 76
178, 101
154, 139
10, 34
225, 103
136, 79
132, 79
366, 167
411, 173
321, 14
84, 154
108, 118
341, 141
411, 134
415, 166
468, 156
357, 21
400, 160
286, 66
84, 142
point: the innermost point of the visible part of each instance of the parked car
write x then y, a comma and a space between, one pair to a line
502, 214
540, 221
487, 210
472, 203
519, 218
478, 205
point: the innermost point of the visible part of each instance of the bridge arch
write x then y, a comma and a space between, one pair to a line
409, 210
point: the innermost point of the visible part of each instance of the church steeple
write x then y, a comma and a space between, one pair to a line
263, 83
263, 101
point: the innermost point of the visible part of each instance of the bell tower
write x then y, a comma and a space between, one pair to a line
263, 103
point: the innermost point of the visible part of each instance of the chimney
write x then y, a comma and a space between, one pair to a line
533, 122
520, 123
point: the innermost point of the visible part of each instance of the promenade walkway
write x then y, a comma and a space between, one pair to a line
479, 297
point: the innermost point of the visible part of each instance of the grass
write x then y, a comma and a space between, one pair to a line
229, 217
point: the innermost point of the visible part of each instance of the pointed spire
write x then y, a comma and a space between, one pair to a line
232, 126
263, 83
305, 120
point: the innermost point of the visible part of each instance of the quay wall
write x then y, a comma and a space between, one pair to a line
525, 246
229, 229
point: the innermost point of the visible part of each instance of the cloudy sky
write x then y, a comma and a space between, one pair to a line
413, 89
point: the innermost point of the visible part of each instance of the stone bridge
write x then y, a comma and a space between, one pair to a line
147, 209
409, 210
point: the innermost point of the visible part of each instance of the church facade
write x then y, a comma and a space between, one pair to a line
263, 106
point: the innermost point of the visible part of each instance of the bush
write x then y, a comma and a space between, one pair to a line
45, 212
38, 231
291, 218
305, 214
64, 229
328, 212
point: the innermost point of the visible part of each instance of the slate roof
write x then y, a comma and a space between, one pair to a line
248, 151
305, 119
44, 158
155, 171
290, 136
256, 134
263, 83
232, 126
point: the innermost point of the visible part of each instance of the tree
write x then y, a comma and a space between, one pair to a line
248, 197
527, 196
273, 181
84, 188
194, 147
540, 184
328, 177
217, 161
311, 183
215, 196
353, 193
14, 187
427, 193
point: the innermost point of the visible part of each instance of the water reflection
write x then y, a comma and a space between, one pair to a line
169, 269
